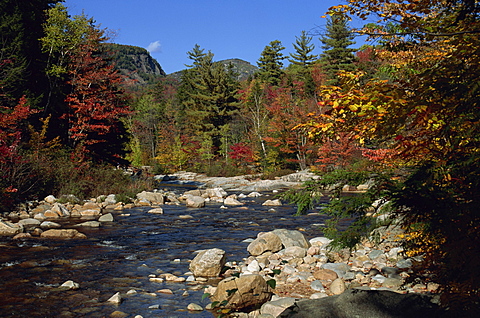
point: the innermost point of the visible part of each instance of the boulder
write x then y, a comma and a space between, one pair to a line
115, 299
50, 199
49, 225
216, 193
195, 201
276, 307
244, 292
208, 263
110, 200
89, 213
106, 218
295, 252
63, 234
325, 274
70, 284
365, 303
265, 242
29, 223
337, 287
60, 209
292, 238
89, 224
152, 197
275, 202
10, 229
232, 201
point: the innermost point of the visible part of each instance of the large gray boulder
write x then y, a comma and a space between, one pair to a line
292, 238
208, 263
195, 201
152, 197
365, 303
265, 242
246, 291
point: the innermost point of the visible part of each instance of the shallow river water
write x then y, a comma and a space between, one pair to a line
120, 256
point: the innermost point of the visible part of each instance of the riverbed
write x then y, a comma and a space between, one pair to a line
120, 256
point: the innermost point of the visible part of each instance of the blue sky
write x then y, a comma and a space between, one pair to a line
228, 28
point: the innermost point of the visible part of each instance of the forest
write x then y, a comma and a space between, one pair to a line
401, 113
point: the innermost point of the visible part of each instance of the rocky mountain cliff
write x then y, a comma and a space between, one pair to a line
243, 68
135, 63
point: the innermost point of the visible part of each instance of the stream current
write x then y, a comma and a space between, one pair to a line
120, 256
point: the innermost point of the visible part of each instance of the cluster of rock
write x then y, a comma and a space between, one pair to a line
44, 219
309, 269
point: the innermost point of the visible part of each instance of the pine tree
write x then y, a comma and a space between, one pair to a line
303, 49
336, 52
270, 63
302, 61
207, 95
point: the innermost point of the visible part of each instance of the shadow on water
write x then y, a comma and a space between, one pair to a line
120, 256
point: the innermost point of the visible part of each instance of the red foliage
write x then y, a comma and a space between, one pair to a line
337, 152
96, 102
10, 160
241, 153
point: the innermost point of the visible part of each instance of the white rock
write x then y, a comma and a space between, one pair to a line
70, 284
156, 211
232, 201
115, 299
50, 199
106, 218
50, 225
275, 202
194, 307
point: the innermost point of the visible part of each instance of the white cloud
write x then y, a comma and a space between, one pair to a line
154, 47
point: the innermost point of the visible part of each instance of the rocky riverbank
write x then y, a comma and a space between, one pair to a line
308, 269
299, 268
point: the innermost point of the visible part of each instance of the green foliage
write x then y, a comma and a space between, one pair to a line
270, 63
208, 98
303, 49
336, 54
361, 209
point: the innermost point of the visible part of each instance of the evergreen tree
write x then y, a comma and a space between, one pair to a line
270, 63
303, 49
302, 60
207, 95
22, 63
336, 52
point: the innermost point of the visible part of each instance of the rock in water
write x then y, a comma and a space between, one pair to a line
195, 202
63, 234
208, 263
115, 299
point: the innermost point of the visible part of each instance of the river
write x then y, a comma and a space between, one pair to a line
120, 256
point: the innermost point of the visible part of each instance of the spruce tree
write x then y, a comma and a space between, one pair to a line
270, 63
207, 95
336, 52
303, 49
302, 60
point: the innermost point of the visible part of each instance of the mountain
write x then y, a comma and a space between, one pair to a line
243, 68
135, 63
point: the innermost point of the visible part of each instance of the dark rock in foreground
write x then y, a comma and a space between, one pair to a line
365, 303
